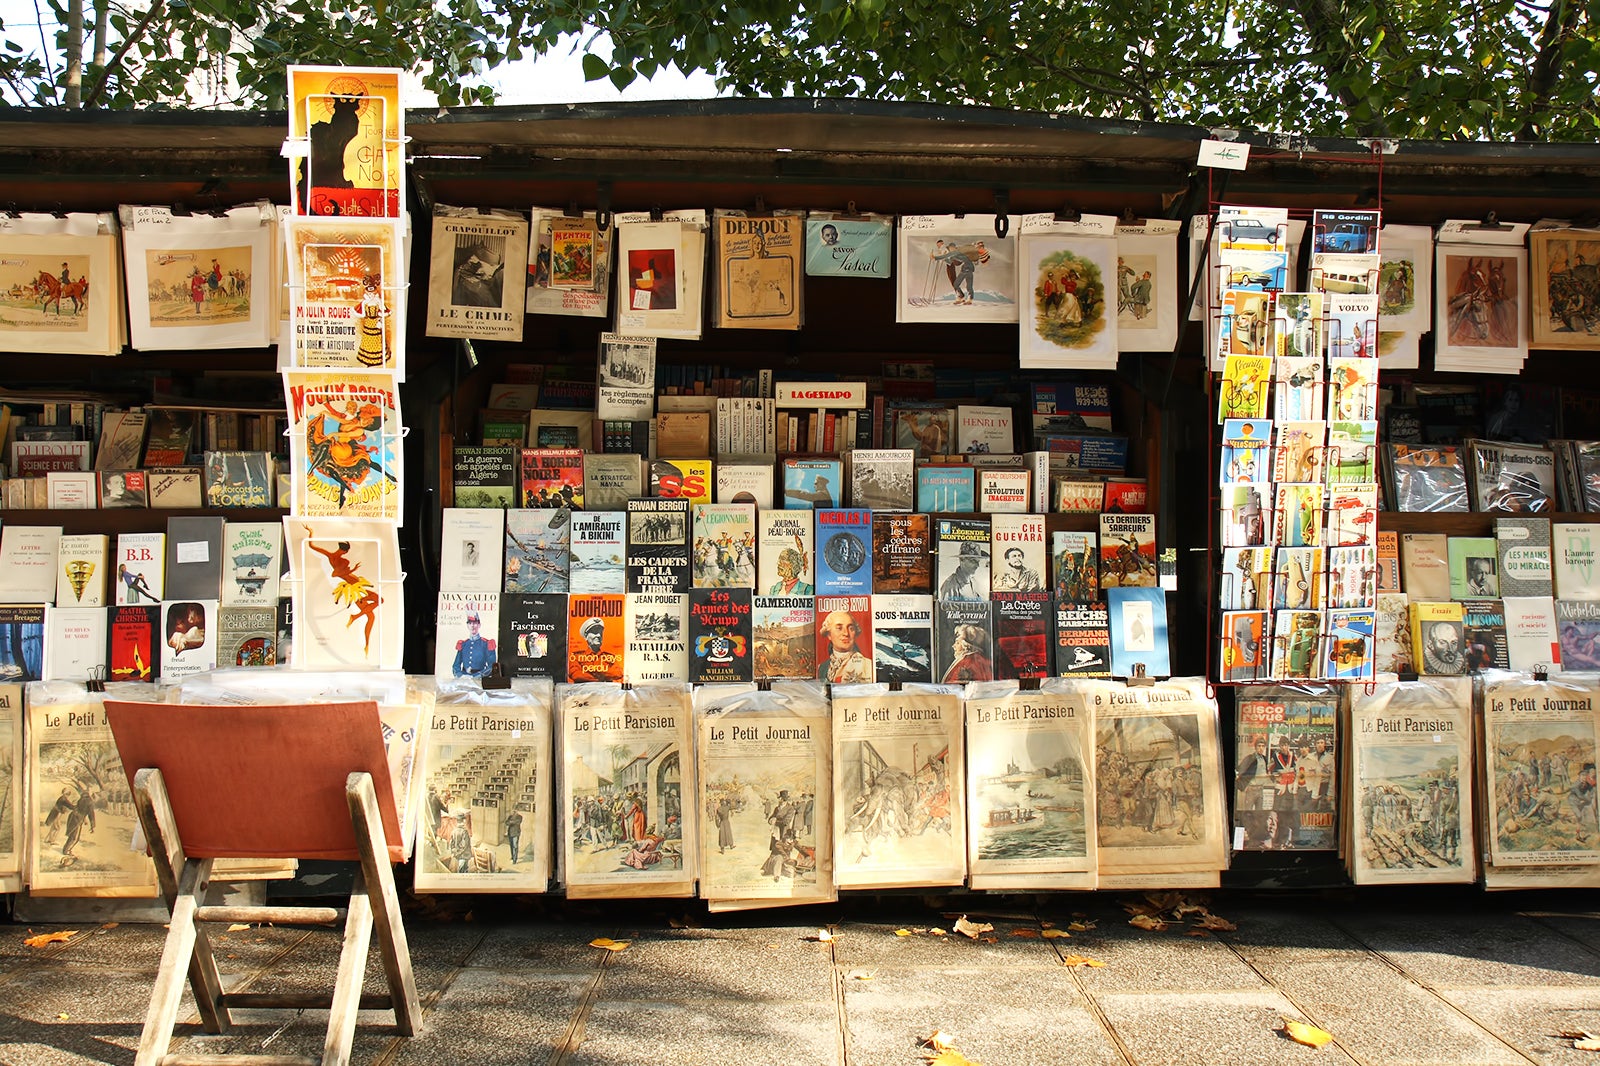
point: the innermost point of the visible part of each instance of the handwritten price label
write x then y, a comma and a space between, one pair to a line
1224, 155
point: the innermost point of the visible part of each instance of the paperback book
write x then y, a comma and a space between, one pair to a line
963, 638
533, 635
844, 552
597, 548
1082, 643
902, 553
783, 629
1022, 634
596, 637
658, 545
720, 636
784, 553
961, 549
724, 551
538, 549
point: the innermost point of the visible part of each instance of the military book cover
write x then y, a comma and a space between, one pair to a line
533, 635
468, 641
597, 560
902, 637
1082, 641
961, 548
784, 631
720, 635
656, 636
610, 481
658, 545
596, 637
1074, 566
551, 477
902, 553
484, 477
724, 549
1022, 634
538, 549
1127, 551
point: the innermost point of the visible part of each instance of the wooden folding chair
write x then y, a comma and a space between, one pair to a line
271, 782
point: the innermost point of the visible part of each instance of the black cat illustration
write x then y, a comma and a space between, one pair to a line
328, 143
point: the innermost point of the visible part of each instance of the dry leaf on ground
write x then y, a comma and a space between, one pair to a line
939, 1040
948, 1057
60, 936
936, 931
1147, 922
238, 927
1027, 934
860, 975
1054, 934
821, 936
1303, 1033
971, 929
608, 944
1082, 960
1211, 921
63, 1016
1198, 932
902, 932
1081, 927
111, 925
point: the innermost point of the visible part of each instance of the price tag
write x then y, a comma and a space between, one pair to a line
1224, 155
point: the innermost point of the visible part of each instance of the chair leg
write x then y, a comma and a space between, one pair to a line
384, 900
178, 951
352, 970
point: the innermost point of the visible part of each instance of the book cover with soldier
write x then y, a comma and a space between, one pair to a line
468, 641
720, 636
784, 632
658, 545
883, 479
1127, 551
902, 560
657, 637
1082, 640
533, 635
1074, 566
484, 477
724, 550
538, 553
1286, 776
961, 548
551, 477
596, 637
1539, 747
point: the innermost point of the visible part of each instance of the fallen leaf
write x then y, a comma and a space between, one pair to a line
1055, 934
971, 929
60, 936
1591, 1043
63, 1016
939, 1041
1147, 922
1080, 927
1197, 932
232, 956
1309, 1035
1028, 934
111, 925
1082, 960
1211, 921
238, 927
902, 932
936, 931
821, 936
1047, 925
949, 1057
608, 944
1575, 1034
860, 975
989, 939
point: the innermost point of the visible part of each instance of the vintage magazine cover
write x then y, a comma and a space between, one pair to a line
1539, 769
344, 444
758, 275
347, 139
486, 772
898, 789
1286, 794
663, 265
954, 269
473, 256
1160, 809
1030, 803
11, 772
853, 247
1410, 759
347, 293
60, 284
543, 298
81, 804
766, 789
628, 792
198, 281
627, 377
346, 584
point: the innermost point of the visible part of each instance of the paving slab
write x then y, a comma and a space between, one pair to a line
628, 1032
870, 944
542, 945
491, 1016
1530, 1020
733, 968
1478, 950
1168, 961
1208, 1028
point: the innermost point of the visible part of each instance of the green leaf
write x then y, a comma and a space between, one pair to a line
594, 68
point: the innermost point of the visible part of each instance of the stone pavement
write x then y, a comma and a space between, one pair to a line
1484, 980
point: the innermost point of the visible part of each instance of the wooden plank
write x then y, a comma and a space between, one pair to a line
393, 947
178, 951
269, 915
347, 986
238, 1060
301, 1000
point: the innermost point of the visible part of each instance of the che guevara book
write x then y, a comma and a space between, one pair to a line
766, 787
348, 596
596, 637
533, 635
1286, 772
486, 766
720, 636
1411, 782
538, 549
628, 783
901, 553
656, 637
598, 550
658, 556
898, 787
344, 444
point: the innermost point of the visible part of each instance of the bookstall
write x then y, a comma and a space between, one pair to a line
666, 429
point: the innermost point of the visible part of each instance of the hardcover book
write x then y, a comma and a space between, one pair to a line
724, 549
656, 636
194, 557
81, 570
844, 551
533, 635
844, 639
785, 638
1127, 551
658, 545
902, 637
961, 548
963, 641
598, 549
252, 564
1022, 634
538, 549
720, 636
1076, 494
596, 637
902, 560
984, 429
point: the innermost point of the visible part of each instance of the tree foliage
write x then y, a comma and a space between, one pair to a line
1395, 68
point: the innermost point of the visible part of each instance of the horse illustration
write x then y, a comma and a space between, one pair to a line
50, 291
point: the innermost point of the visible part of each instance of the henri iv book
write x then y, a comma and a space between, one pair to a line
658, 545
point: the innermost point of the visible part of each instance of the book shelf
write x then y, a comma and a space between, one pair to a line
1465, 523
115, 520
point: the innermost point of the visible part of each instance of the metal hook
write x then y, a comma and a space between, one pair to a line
1002, 204
656, 214
602, 205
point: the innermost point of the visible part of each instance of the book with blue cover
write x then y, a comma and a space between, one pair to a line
844, 551
1138, 632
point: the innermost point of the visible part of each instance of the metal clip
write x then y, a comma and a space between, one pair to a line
1002, 205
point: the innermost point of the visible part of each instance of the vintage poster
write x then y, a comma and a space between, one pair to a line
1160, 808
1147, 285
347, 290
854, 247
1065, 277
628, 823
486, 775
765, 793
1030, 804
954, 269
346, 584
1539, 748
81, 804
473, 255
11, 764
758, 275
1411, 782
898, 791
1480, 299
585, 253
199, 281
1405, 278
1565, 277
1286, 780
60, 284
344, 444
661, 273
347, 141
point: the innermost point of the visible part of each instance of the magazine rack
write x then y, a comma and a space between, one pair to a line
274, 782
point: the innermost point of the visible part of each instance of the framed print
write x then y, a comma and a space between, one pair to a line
1147, 287
1480, 308
1564, 275
954, 269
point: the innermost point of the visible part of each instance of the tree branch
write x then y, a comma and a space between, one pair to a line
44, 48
1545, 71
1325, 24
122, 49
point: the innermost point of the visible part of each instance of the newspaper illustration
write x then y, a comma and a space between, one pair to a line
10, 783
1539, 746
